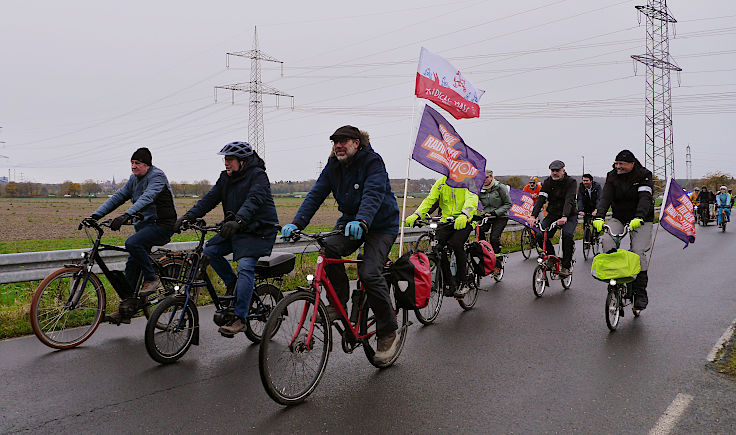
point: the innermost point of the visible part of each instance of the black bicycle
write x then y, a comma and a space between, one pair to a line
174, 325
591, 238
70, 302
439, 254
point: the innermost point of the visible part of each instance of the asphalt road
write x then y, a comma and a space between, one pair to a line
514, 364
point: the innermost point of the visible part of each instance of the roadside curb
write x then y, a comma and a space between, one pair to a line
720, 359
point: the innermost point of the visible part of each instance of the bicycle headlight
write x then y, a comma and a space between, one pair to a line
310, 278
433, 226
612, 282
176, 288
539, 260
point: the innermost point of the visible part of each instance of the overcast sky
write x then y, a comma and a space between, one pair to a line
84, 83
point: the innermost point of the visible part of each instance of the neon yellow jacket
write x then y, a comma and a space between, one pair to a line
453, 200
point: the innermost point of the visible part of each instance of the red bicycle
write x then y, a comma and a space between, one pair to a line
549, 264
297, 338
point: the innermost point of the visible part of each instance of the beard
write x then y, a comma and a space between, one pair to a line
349, 153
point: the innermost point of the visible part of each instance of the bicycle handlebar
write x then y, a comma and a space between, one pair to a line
607, 229
318, 237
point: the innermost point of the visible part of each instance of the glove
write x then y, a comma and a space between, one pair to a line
94, 216
354, 230
180, 222
635, 223
598, 224
409, 221
229, 229
119, 221
461, 222
287, 230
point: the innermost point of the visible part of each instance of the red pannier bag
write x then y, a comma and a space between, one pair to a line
412, 280
483, 257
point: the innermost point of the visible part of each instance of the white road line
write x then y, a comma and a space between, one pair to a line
725, 337
668, 420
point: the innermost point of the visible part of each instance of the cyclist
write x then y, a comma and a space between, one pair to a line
533, 188
723, 199
149, 191
628, 191
704, 201
356, 176
558, 192
496, 202
460, 204
589, 194
245, 192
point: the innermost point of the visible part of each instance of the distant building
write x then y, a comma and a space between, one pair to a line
3, 180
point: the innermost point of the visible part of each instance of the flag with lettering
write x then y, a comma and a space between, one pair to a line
677, 215
522, 205
443, 84
441, 149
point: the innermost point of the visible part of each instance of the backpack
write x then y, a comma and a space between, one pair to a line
412, 279
482, 257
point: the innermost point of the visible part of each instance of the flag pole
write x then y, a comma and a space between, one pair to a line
406, 180
659, 224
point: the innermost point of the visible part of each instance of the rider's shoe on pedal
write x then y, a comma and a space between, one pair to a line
150, 286
117, 318
461, 291
565, 271
126, 310
233, 328
640, 300
386, 347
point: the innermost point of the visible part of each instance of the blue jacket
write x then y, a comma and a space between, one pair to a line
150, 195
362, 191
588, 203
246, 193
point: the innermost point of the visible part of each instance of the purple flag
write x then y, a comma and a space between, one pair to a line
441, 149
677, 214
522, 205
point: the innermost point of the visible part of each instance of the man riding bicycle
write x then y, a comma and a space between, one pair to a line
628, 191
356, 176
558, 192
496, 202
460, 204
723, 200
245, 193
589, 193
149, 191
704, 202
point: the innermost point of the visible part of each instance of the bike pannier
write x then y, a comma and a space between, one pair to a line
621, 265
412, 278
483, 257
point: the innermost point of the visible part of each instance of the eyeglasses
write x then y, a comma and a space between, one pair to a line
229, 158
343, 141
557, 170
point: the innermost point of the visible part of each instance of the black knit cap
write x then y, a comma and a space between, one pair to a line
346, 131
143, 155
625, 156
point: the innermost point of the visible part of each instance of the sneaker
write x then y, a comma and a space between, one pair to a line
461, 291
233, 328
565, 271
386, 348
150, 286
117, 318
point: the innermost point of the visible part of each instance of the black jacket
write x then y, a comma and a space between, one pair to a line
559, 196
629, 195
247, 193
589, 202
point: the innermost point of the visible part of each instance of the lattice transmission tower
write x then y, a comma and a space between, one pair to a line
689, 165
256, 89
658, 143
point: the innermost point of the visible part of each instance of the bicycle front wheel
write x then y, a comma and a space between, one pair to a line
268, 295
613, 309
472, 280
59, 322
166, 345
367, 329
290, 363
539, 281
527, 242
169, 269
428, 314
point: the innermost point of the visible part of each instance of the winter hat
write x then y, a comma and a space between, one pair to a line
143, 155
625, 156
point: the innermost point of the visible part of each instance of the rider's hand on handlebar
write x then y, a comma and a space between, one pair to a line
581, 213
183, 221
409, 221
287, 230
635, 223
229, 229
460, 222
598, 224
119, 221
354, 230
561, 221
532, 221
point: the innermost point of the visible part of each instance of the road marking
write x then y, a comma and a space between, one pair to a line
719, 344
668, 420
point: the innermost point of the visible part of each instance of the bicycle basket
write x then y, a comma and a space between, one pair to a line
621, 265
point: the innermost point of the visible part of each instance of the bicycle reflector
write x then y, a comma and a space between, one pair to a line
310, 278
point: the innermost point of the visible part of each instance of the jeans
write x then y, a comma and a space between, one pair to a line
568, 234
245, 278
496, 225
455, 239
139, 245
721, 211
370, 270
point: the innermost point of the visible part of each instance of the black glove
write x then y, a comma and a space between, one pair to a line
119, 221
229, 229
180, 222
95, 216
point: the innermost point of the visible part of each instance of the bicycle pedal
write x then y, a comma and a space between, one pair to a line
145, 294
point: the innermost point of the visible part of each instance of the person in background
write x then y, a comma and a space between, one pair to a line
496, 202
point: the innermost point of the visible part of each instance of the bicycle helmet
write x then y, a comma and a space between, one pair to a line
722, 188
241, 150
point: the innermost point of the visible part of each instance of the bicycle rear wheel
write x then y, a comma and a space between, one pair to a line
367, 328
472, 280
539, 281
268, 295
502, 259
428, 314
53, 321
166, 345
613, 309
527, 242
291, 368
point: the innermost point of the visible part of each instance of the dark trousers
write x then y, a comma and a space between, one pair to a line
568, 234
496, 226
370, 270
139, 245
455, 239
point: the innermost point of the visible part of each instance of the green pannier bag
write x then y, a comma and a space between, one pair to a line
621, 265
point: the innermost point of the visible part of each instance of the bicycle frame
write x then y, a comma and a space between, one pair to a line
555, 259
